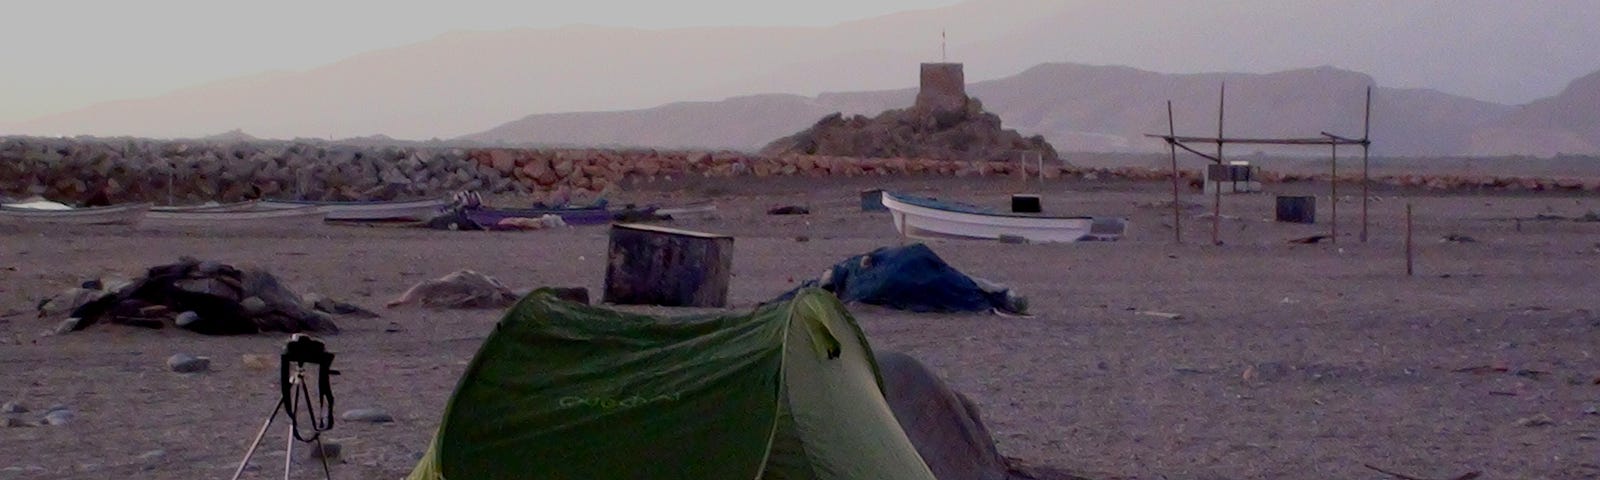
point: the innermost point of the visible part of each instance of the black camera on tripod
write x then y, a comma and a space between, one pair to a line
296, 399
302, 349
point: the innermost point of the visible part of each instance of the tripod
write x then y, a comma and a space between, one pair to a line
294, 390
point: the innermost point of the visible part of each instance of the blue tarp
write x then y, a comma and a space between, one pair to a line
911, 278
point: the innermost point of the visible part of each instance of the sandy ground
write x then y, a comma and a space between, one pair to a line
1289, 361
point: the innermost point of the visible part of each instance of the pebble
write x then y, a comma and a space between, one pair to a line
54, 407
259, 361
58, 417
153, 455
186, 363
1540, 420
253, 306
13, 407
10, 422
369, 415
186, 318
66, 326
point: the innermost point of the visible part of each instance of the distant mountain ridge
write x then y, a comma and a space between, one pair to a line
1568, 123
459, 83
1076, 107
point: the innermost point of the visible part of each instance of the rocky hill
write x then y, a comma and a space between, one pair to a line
1568, 123
968, 133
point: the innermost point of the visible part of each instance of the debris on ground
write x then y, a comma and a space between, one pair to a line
1313, 239
1162, 315
1458, 238
789, 210
202, 296
524, 223
913, 278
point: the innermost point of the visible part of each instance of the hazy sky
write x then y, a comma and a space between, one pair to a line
65, 54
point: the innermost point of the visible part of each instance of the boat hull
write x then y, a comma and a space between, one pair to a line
245, 206
286, 218
113, 215
921, 221
412, 210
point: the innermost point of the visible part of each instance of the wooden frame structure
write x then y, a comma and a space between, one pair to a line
1175, 142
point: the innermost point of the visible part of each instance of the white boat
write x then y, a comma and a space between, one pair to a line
244, 206
701, 208
926, 218
129, 214
408, 210
298, 218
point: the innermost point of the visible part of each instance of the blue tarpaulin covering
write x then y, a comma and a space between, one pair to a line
912, 278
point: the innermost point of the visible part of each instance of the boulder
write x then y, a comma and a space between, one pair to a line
461, 289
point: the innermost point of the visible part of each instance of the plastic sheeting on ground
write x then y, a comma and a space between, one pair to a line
913, 278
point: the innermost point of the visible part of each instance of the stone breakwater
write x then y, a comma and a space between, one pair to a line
192, 172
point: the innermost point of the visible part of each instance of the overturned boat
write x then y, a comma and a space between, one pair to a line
130, 214
919, 217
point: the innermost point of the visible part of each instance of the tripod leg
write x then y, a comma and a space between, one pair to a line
259, 435
323, 454
288, 454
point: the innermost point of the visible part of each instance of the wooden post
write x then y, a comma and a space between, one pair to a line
1172, 147
1366, 145
1216, 201
1333, 192
650, 265
1408, 240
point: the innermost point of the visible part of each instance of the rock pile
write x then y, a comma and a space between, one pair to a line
77, 170
205, 297
966, 134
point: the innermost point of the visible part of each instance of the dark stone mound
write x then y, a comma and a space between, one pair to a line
968, 134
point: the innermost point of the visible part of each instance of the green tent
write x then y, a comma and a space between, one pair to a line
562, 390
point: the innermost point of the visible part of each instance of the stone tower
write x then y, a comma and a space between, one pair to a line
944, 88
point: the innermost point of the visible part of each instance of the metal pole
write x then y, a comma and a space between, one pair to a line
1408, 240
1333, 191
1366, 145
1216, 202
1172, 147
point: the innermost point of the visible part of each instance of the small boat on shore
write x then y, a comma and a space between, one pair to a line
693, 209
272, 219
403, 211
244, 206
919, 217
130, 214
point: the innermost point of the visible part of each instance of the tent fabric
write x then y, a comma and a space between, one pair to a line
561, 390
942, 423
914, 278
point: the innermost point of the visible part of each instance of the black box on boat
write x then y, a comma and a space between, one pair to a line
1297, 209
651, 265
872, 201
1026, 204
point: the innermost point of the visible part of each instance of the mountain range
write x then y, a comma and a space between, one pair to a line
1432, 56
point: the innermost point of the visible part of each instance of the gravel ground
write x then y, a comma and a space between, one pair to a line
1289, 361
